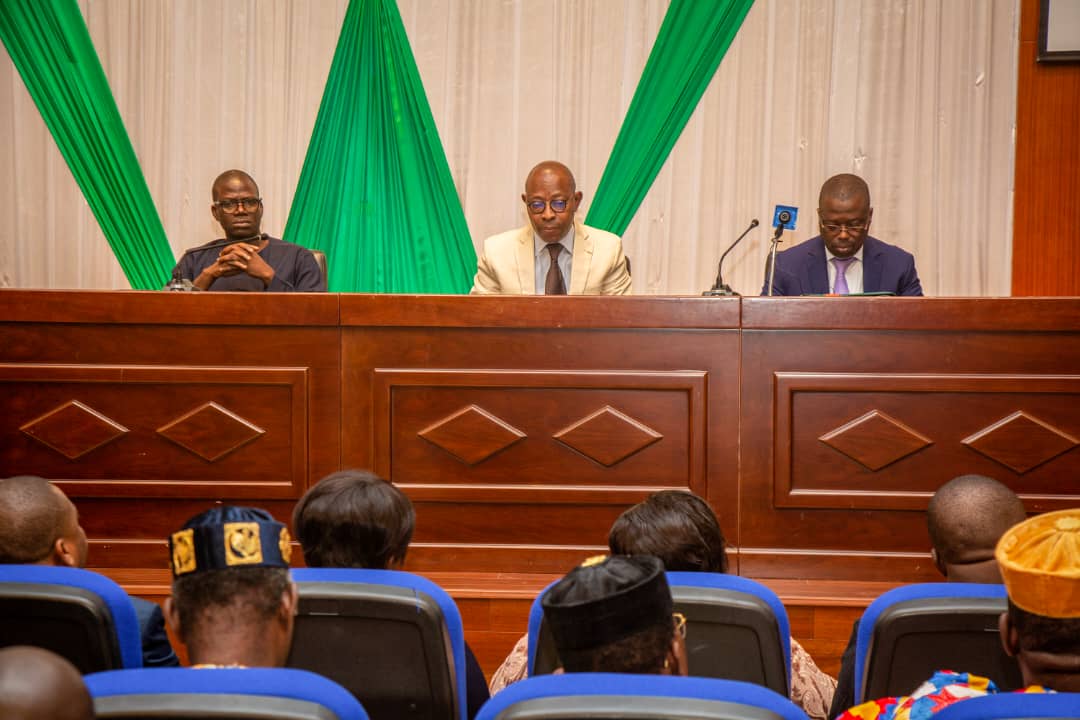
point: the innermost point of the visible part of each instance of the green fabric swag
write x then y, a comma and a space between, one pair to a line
52, 50
375, 193
688, 49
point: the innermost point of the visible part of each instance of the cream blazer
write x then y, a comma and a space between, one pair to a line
506, 264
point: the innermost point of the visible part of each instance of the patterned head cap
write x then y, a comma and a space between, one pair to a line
228, 536
1040, 564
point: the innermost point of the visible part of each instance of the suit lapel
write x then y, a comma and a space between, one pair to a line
817, 275
526, 262
873, 265
583, 252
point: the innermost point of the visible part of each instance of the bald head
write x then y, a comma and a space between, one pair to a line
967, 516
551, 167
36, 684
844, 187
229, 177
33, 514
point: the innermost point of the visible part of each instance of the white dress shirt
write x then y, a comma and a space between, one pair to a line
853, 275
543, 260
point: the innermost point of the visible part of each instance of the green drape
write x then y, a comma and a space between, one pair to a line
693, 38
375, 193
51, 48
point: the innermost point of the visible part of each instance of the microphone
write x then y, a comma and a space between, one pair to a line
783, 218
185, 284
719, 289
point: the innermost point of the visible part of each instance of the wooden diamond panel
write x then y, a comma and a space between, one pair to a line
211, 431
73, 429
608, 436
539, 431
889, 441
875, 440
1021, 442
471, 434
164, 431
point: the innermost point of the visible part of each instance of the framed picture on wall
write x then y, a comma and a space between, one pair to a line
1059, 31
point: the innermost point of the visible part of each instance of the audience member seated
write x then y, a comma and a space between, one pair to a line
615, 614
355, 519
682, 530
36, 684
1039, 561
232, 601
965, 518
39, 525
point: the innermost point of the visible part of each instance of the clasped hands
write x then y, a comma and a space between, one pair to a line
239, 258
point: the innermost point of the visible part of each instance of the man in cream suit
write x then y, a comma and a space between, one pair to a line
554, 255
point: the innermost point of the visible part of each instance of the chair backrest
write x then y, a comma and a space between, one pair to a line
393, 639
78, 614
320, 260
658, 697
252, 694
737, 629
1014, 706
910, 632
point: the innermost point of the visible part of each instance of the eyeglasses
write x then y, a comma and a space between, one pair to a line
537, 206
231, 206
853, 228
680, 624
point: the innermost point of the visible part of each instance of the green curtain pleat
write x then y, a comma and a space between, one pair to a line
692, 41
52, 50
375, 193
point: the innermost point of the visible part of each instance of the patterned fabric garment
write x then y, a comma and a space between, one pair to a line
811, 689
943, 689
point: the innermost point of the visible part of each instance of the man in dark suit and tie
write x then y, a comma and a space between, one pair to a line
844, 259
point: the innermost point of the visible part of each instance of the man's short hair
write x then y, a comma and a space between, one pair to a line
1039, 633
612, 614
354, 519
676, 526
31, 518
229, 175
233, 596
968, 515
843, 187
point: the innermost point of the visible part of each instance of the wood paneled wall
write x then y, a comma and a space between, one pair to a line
1046, 218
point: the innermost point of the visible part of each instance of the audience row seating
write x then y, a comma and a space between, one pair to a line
287, 694
416, 631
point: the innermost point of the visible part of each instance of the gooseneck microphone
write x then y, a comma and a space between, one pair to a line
783, 217
719, 288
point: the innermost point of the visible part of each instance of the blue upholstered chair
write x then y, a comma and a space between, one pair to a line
658, 697
80, 615
394, 639
1014, 706
255, 693
909, 633
737, 629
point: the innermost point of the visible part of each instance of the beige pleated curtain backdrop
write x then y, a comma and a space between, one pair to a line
917, 97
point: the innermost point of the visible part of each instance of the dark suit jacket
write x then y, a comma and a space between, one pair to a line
801, 270
156, 650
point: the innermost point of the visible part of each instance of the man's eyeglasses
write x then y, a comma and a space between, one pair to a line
537, 206
231, 206
853, 228
680, 624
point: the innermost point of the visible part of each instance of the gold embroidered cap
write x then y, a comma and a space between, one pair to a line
229, 536
1040, 564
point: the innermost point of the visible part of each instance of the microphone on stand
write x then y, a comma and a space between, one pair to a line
783, 217
177, 283
719, 288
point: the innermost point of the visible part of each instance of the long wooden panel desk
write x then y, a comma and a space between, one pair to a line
521, 427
